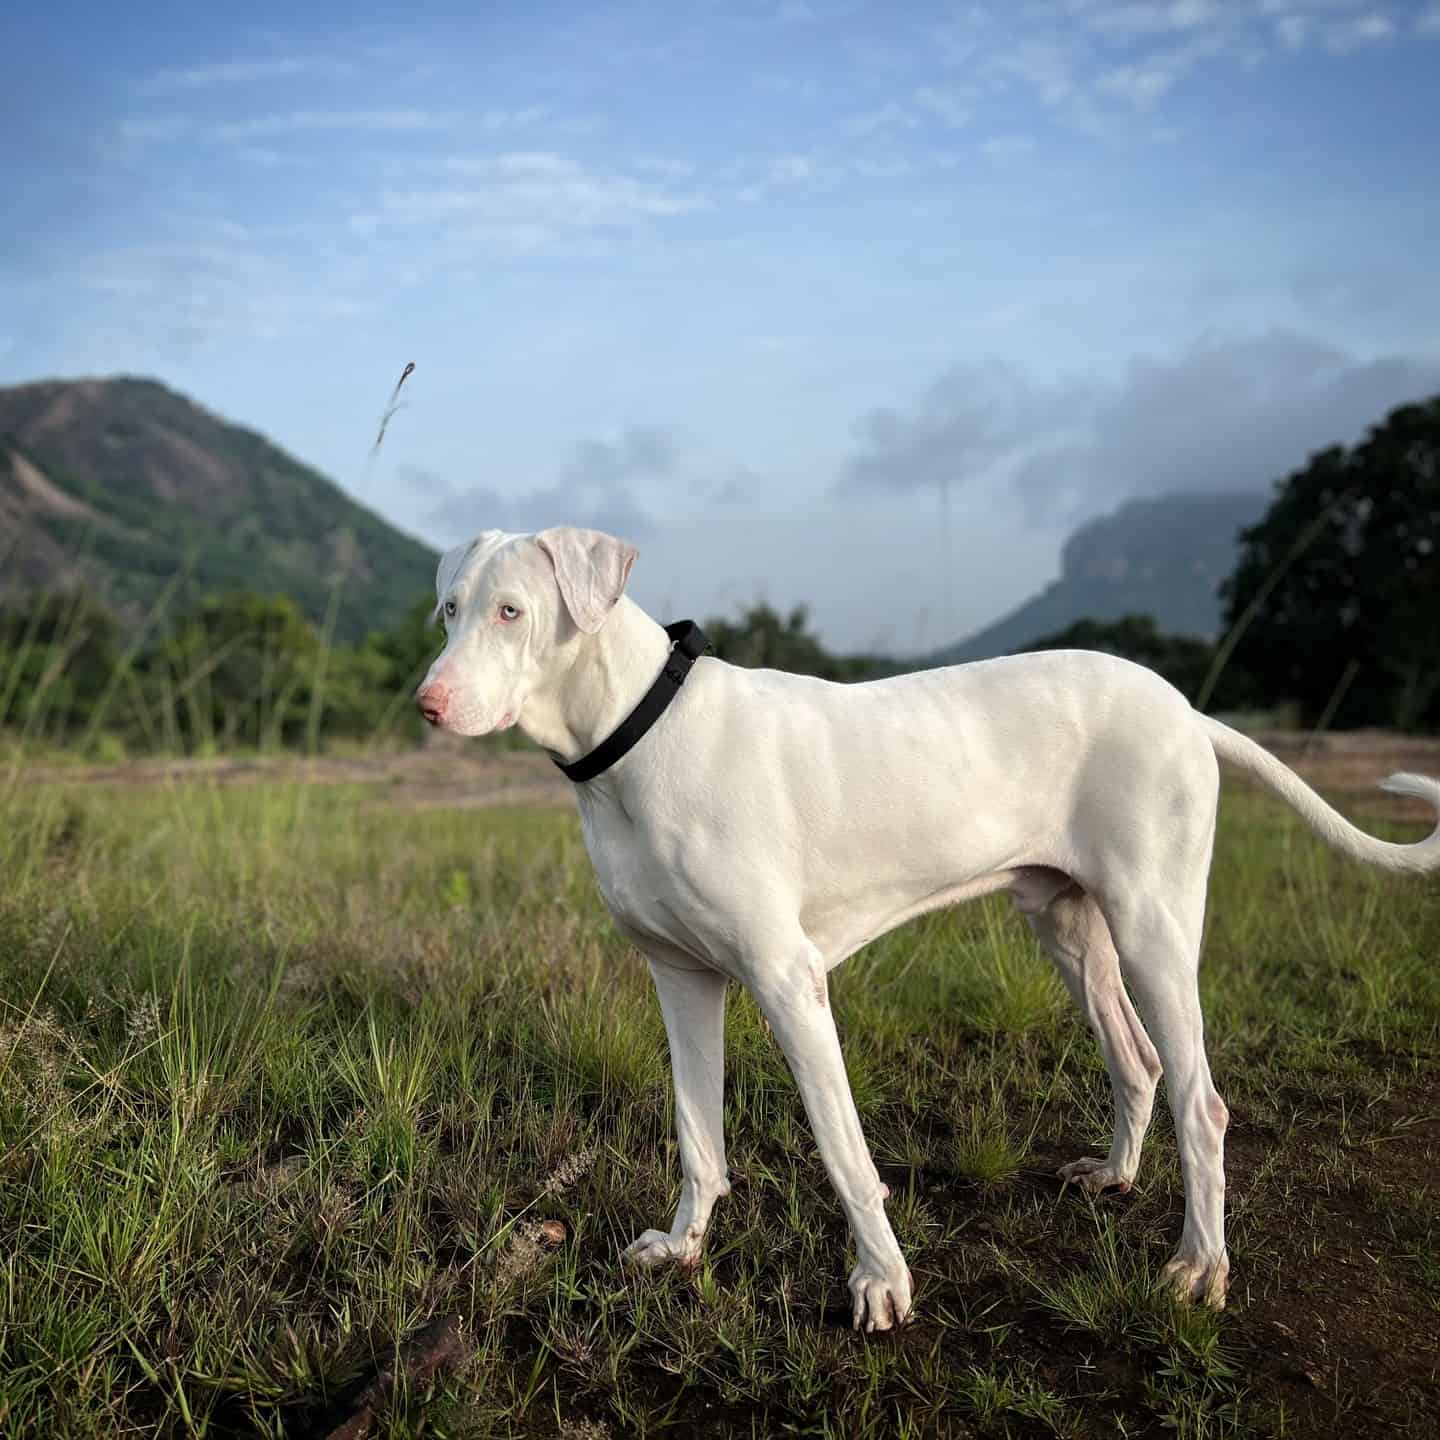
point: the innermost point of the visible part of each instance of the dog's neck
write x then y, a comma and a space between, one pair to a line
610, 674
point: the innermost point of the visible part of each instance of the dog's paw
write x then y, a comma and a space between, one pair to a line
880, 1296
656, 1247
1094, 1176
1191, 1279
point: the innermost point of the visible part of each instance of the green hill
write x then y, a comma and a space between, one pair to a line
122, 484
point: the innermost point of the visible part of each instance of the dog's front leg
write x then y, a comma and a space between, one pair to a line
693, 1002
794, 999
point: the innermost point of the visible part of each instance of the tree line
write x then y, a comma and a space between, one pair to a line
234, 670
1333, 608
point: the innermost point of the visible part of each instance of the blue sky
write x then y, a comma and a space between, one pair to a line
744, 281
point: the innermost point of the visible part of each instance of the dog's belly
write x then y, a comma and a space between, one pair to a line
839, 930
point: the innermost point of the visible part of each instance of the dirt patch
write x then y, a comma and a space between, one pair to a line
1354, 762
429, 777
43, 494
179, 468
1340, 1331
59, 414
460, 775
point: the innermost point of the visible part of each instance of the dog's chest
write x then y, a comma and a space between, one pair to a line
628, 884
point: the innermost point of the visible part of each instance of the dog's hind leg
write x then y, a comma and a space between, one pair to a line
1159, 947
1073, 933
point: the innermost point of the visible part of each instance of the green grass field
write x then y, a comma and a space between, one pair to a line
288, 1073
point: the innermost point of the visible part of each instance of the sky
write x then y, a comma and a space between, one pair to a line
748, 283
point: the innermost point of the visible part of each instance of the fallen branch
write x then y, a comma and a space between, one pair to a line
439, 1346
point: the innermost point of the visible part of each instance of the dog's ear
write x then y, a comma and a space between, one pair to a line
448, 570
591, 569
449, 567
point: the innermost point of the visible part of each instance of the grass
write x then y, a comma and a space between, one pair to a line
288, 1072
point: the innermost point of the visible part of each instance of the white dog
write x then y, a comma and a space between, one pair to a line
769, 825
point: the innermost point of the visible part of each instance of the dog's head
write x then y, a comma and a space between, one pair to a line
515, 609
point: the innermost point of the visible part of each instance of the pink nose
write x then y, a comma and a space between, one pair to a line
432, 701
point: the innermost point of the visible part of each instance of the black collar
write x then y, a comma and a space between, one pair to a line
688, 644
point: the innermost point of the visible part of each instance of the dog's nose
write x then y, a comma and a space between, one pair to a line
432, 700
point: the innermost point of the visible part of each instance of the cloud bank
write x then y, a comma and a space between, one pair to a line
1226, 414
594, 489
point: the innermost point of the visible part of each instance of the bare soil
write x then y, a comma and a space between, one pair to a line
447, 772
434, 776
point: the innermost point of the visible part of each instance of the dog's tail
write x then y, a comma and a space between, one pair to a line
1329, 824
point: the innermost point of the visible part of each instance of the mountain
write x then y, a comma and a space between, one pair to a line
122, 484
1164, 557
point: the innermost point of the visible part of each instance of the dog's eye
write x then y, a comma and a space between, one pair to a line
509, 612
450, 609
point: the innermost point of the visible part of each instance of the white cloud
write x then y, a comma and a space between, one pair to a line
1154, 18
946, 107
396, 121
1292, 31
1044, 65
153, 131
135, 135
241, 72
215, 283
888, 167
972, 420
1139, 85
1007, 147
777, 344
1136, 51
465, 513
601, 485
525, 202
959, 38
666, 165
504, 122
802, 87
1146, 81
874, 122
269, 159
519, 239
1346, 35
776, 172
792, 169
1224, 414
535, 162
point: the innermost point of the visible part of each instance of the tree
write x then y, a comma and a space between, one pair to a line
762, 638
410, 645
241, 669
384, 672
1338, 586
58, 652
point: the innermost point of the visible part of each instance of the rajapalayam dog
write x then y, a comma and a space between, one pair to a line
763, 826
